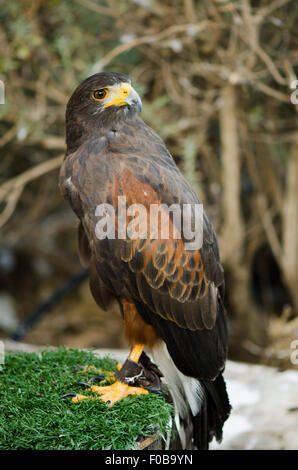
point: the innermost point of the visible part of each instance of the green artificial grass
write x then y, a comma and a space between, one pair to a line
34, 416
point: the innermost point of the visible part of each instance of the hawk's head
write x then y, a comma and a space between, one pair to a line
99, 100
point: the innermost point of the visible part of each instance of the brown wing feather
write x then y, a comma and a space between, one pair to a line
165, 269
176, 284
175, 290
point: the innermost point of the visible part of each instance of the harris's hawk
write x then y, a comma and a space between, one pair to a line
171, 298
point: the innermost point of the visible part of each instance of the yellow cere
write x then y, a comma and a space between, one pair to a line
119, 94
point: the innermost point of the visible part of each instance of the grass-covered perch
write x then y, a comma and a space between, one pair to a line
34, 416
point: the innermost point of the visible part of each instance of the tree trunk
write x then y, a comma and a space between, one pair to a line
247, 323
290, 227
232, 231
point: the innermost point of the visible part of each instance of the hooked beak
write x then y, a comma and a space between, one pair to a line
133, 99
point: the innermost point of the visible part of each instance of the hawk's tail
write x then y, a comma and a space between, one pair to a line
215, 410
202, 406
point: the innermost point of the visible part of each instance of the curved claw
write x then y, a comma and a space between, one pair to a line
97, 378
69, 395
84, 384
75, 397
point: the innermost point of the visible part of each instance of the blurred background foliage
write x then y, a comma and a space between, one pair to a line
215, 77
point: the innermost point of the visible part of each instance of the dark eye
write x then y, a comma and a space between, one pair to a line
99, 95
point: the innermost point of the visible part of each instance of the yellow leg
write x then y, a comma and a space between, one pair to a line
136, 352
118, 390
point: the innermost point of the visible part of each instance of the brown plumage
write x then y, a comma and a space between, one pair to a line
168, 295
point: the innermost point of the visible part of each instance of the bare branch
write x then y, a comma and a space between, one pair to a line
264, 12
21, 180
194, 28
11, 203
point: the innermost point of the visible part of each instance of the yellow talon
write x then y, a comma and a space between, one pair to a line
78, 398
117, 391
